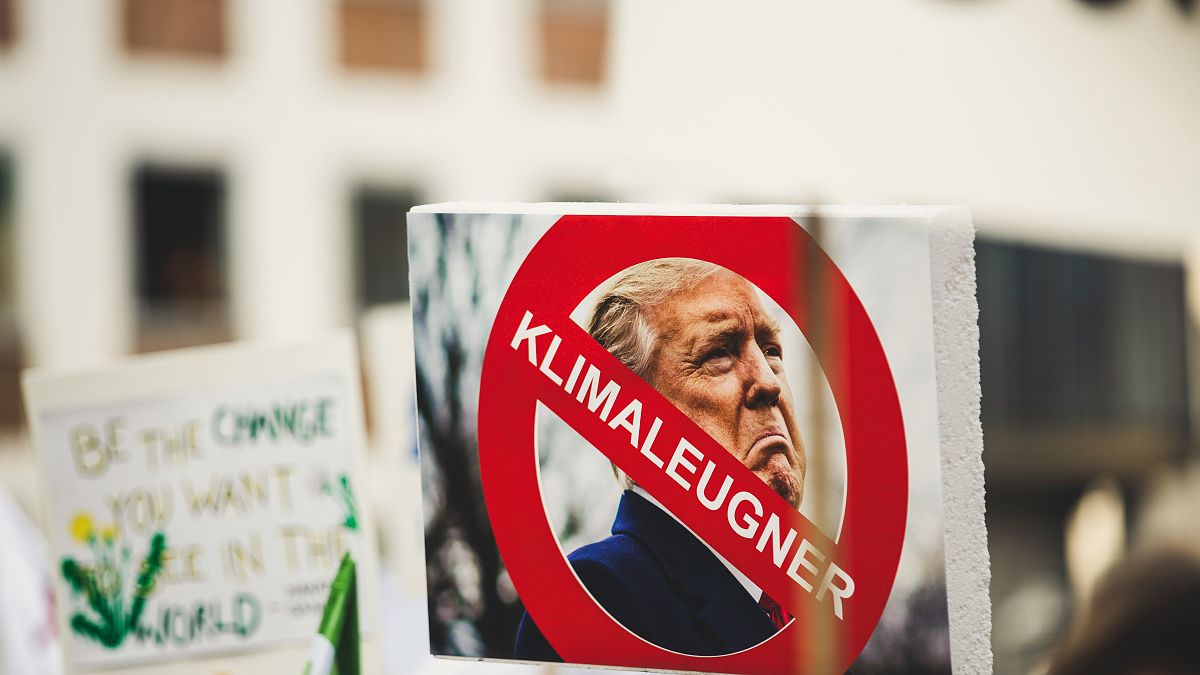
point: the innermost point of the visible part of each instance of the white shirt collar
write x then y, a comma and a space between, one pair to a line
751, 588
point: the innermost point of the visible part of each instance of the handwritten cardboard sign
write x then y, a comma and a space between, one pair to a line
199, 502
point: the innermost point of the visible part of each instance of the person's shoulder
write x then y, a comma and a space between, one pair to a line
614, 549
619, 555
617, 564
624, 577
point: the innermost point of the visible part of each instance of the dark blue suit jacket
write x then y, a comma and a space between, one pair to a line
660, 582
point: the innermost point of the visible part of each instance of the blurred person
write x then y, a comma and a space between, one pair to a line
699, 334
29, 639
1143, 617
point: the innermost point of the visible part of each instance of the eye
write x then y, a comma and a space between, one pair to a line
718, 353
772, 351
717, 360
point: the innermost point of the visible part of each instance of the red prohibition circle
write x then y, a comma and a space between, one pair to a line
576, 255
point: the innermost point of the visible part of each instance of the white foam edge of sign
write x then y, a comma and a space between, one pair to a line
631, 209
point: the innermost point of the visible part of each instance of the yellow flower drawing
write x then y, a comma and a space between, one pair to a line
82, 526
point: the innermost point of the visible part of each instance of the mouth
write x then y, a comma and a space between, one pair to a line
771, 442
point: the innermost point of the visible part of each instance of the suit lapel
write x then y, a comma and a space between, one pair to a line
720, 602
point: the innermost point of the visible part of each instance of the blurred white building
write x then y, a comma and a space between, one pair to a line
175, 172
1056, 122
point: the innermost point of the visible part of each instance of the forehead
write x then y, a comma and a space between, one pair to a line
721, 300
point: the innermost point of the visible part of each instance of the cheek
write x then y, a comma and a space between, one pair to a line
694, 393
697, 405
716, 396
709, 405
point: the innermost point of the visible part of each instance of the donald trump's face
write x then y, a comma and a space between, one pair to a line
719, 359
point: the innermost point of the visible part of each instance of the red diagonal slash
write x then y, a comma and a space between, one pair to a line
850, 578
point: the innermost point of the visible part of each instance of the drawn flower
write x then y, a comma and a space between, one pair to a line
108, 579
109, 533
102, 587
82, 527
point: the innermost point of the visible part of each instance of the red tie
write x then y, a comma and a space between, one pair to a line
779, 616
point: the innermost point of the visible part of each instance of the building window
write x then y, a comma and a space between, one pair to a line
381, 241
574, 41
8, 23
1083, 360
10, 350
190, 28
179, 228
384, 35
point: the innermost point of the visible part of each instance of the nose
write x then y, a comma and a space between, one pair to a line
761, 384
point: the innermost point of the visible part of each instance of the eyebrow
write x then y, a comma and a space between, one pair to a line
765, 328
768, 327
702, 336
768, 324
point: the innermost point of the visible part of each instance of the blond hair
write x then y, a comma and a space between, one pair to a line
618, 321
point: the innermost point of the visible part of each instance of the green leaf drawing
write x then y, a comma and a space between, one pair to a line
345, 495
101, 585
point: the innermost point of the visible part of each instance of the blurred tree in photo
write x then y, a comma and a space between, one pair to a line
460, 272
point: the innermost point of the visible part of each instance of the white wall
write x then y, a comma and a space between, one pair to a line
1053, 121
294, 135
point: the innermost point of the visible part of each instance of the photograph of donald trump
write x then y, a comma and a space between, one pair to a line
700, 335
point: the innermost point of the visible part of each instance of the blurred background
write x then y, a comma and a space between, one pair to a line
181, 172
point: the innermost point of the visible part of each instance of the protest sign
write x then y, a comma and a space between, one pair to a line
200, 502
764, 527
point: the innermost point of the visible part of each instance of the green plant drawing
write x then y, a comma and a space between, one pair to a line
345, 495
102, 583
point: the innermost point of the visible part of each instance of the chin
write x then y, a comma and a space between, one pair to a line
786, 486
791, 495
